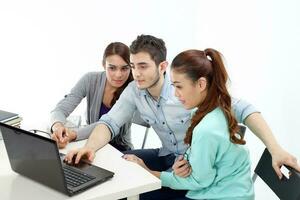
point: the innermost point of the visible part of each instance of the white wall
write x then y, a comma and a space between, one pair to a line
259, 40
46, 46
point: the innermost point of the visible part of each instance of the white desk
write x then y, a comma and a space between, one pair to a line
129, 180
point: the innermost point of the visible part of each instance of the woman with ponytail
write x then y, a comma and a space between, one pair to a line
219, 160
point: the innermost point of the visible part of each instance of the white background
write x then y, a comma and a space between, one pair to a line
46, 46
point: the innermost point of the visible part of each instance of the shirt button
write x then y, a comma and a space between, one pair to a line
174, 143
182, 121
170, 133
163, 123
158, 105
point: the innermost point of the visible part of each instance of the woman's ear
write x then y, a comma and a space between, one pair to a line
103, 64
202, 83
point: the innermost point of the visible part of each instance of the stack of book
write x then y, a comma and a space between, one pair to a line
9, 118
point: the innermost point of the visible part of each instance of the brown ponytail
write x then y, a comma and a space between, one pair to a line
208, 64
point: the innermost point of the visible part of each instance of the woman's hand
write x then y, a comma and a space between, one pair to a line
62, 135
135, 159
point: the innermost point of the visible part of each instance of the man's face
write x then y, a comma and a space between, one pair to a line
144, 70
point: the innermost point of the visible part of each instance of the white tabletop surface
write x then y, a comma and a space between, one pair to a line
129, 179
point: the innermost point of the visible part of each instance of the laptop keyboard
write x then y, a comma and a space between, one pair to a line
75, 178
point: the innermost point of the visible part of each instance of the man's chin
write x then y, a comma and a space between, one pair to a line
141, 87
138, 84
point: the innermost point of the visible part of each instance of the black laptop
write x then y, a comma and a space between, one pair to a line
38, 158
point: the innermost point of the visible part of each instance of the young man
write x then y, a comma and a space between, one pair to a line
153, 96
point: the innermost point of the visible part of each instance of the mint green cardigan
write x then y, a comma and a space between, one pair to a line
220, 169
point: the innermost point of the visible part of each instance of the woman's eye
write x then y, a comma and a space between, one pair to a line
125, 68
112, 68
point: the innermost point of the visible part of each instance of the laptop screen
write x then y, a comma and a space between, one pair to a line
34, 156
37, 158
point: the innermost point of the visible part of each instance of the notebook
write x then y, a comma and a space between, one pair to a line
10, 119
288, 187
7, 116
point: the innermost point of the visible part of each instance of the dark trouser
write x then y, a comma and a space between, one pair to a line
120, 147
157, 163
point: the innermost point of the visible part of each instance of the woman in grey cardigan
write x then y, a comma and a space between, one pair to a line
101, 90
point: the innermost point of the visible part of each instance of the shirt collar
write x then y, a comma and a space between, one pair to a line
164, 91
166, 88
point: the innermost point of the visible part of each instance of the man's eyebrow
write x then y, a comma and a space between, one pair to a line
142, 63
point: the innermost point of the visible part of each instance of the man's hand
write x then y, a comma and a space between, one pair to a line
62, 135
256, 123
74, 156
182, 167
281, 157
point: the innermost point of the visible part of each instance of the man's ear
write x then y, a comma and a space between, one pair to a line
202, 83
163, 66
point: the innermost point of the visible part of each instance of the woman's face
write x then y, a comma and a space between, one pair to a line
117, 70
191, 94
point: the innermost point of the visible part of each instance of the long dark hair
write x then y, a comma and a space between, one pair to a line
122, 50
208, 64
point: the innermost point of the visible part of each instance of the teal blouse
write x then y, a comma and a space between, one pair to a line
220, 168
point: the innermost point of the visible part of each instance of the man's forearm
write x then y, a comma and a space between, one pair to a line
99, 137
256, 123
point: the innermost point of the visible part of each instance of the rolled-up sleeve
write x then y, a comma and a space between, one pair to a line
85, 132
242, 109
122, 111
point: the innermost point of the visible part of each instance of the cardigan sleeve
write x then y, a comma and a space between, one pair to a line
202, 159
70, 101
